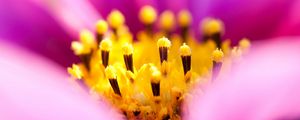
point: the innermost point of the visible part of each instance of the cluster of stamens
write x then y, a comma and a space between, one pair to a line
149, 78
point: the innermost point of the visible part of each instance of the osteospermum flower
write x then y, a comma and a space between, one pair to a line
47, 27
149, 78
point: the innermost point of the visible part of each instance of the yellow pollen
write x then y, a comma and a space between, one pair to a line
167, 20
244, 44
163, 42
101, 27
217, 55
115, 19
156, 76
127, 49
75, 71
110, 72
87, 38
211, 26
106, 44
184, 18
147, 15
185, 50
77, 47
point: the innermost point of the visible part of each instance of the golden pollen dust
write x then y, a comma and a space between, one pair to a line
150, 77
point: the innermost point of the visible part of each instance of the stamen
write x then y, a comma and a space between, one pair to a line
185, 52
244, 44
84, 49
115, 20
128, 51
184, 20
110, 73
75, 71
87, 39
155, 83
101, 28
217, 57
177, 99
77, 47
148, 16
236, 54
163, 45
167, 22
212, 29
105, 47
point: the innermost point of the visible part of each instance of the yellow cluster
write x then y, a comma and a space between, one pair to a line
149, 78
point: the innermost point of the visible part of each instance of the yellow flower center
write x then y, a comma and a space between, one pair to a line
150, 77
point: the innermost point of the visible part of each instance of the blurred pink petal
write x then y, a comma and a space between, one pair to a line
73, 15
265, 86
33, 88
46, 27
290, 25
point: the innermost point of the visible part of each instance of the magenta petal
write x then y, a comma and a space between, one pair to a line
73, 15
290, 25
255, 19
33, 88
25, 24
265, 86
46, 26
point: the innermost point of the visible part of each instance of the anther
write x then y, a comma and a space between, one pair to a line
75, 71
87, 39
105, 47
244, 44
84, 49
127, 54
155, 83
185, 52
110, 73
217, 57
115, 20
184, 21
148, 16
101, 28
167, 22
212, 29
163, 45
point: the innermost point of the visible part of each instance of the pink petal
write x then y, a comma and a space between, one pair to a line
26, 24
264, 86
33, 88
290, 24
74, 15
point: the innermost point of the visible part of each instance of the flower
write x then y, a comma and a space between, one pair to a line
119, 64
